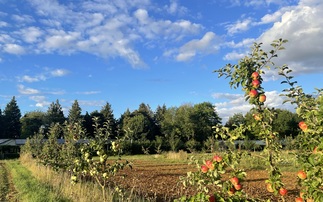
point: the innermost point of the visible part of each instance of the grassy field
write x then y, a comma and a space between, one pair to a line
153, 178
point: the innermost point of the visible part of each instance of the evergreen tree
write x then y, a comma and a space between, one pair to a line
74, 114
108, 117
87, 124
150, 127
11, 120
55, 114
1, 125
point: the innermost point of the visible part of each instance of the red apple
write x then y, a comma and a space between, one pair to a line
238, 187
209, 164
301, 175
256, 117
262, 98
317, 151
204, 169
255, 83
269, 188
301, 194
217, 158
282, 191
255, 75
212, 198
302, 125
299, 199
231, 191
234, 180
253, 93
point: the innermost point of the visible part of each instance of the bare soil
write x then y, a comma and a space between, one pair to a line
160, 182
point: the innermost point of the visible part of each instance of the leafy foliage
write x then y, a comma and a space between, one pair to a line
31, 122
310, 141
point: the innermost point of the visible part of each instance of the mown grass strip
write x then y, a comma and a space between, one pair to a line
29, 188
4, 183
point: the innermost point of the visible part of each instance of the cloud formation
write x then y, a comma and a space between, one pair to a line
304, 33
43, 76
299, 25
208, 44
235, 103
107, 29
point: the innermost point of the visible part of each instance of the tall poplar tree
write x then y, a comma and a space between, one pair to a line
11, 120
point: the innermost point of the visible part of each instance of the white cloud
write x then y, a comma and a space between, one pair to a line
57, 92
3, 24
29, 79
89, 92
276, 16
31, 34
239, 26
94, 103
234, 56
245, 43
48, 73
58, 72
257, 3
152, 28
175, 8
40, 101
27, 91
302, 27
107, 29
207, 45
236, 104
14, 49
22, 19
60, 40
298, 24
142, 16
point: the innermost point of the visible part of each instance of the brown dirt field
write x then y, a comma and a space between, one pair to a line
160, 181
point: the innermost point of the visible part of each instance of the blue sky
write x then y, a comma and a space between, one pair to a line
128, 52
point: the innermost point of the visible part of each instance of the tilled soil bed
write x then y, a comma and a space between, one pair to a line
160, 181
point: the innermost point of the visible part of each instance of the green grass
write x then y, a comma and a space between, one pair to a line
4, 183
28, 187
253, 161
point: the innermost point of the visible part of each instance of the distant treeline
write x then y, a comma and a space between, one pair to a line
186, 127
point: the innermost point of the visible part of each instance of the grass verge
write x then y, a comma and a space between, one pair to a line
83, 191
29, 188
4, 183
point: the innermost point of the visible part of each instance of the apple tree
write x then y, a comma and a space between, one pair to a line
247, 74
310, 140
